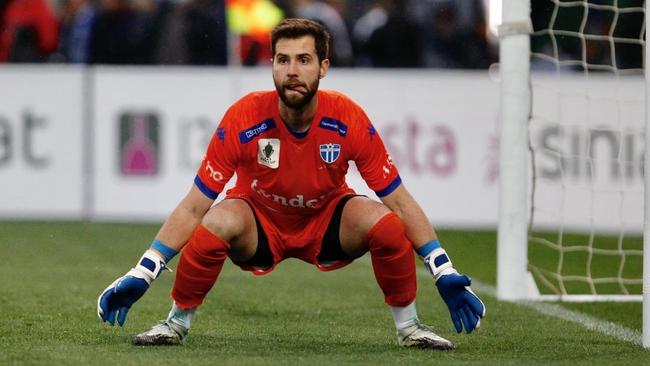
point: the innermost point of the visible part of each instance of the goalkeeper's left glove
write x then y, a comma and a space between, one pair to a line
117, 298
465, 307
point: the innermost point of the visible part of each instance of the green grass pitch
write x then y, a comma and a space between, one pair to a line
52, 273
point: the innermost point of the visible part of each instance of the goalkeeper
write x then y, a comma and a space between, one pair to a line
290, 149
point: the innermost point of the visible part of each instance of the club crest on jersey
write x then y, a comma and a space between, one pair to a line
268, 152
330, 152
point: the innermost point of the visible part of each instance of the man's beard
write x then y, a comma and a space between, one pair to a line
302, 100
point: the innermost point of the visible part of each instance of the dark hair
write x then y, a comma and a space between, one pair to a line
295, 28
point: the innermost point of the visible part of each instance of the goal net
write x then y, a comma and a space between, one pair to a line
586, 145
574, 207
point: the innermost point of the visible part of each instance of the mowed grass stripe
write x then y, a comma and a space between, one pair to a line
53, 272
607, 328
557, 311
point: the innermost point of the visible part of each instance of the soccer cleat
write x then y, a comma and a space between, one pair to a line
166, 333
419, 335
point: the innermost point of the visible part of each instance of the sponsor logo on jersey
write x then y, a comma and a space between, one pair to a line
388, 166
212, 173
249, 134
268, 152
333, 125
330, 152
298, 200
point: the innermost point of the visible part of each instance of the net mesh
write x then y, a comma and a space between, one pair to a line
586, 143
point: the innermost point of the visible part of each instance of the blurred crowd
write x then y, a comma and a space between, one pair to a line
365, 33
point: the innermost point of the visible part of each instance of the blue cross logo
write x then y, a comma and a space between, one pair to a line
330, 152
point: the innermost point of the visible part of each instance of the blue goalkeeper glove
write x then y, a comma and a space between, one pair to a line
116, 300
465, 307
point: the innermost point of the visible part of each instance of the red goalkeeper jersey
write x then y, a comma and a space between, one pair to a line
288, 172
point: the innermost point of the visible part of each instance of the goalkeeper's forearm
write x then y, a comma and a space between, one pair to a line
180, 225
115, 301
416, 224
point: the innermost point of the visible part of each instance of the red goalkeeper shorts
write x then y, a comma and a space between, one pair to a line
313, 239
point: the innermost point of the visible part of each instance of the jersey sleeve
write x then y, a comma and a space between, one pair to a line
220, 159
372, 159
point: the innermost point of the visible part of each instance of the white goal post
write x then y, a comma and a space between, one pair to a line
514, 70
517, 173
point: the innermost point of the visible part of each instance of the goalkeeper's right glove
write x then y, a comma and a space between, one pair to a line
118, 297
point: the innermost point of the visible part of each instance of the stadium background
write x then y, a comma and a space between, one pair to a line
73, 122
71, 112
89, 136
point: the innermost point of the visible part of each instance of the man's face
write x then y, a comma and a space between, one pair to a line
297, 71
